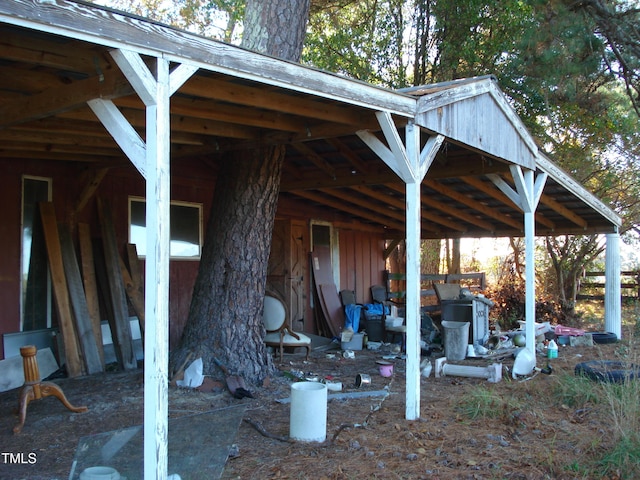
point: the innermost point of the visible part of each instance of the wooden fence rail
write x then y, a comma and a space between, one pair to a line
629, 285
395, 283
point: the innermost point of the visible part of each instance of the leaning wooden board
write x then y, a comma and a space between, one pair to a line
333, 308
86, 336
60, 290
90, 284
116, 288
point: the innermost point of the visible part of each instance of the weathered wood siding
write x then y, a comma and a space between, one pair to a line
473, 121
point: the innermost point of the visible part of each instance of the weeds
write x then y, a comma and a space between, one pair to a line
483, 402
624, 411
575, 391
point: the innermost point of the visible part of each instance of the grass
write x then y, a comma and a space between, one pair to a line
617, 455
483, 402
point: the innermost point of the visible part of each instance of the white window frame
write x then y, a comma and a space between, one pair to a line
139, 237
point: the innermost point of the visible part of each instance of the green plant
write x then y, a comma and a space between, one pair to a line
483, 402
623, 459
575, 391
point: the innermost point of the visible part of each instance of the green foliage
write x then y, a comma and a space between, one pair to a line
624, 455
363, 40
622, 460
509, 305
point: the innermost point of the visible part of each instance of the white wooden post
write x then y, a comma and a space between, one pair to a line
526, 196
411, 165
612, 305
530, 275
412, 250
156, 345
152, 159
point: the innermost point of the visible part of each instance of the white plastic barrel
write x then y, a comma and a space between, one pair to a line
456, 339
308, 417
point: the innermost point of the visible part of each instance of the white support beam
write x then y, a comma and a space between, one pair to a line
525, 192
538, 188
526, 196
122, 132
529, 190
421, 160
411, 164
137, 73
529, 262
393, 139
612, 303
428, 154
156, 345
507, 190
153, 161
179, 75
412, 250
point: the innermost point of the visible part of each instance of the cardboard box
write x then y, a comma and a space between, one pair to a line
354, 344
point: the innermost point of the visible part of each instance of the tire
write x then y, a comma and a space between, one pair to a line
608, 371
604, 337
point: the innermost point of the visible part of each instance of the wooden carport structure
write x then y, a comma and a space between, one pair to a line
81, 83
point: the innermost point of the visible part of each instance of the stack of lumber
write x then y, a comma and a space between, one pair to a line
78, 286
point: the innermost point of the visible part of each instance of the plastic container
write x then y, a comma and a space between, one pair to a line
552, 349
456, 339
355, 343
308, 415
100, 473
375, 328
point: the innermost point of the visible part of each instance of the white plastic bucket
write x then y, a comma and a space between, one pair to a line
100, 473
456, 339
308, 416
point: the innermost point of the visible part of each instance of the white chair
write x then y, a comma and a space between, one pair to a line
279, 333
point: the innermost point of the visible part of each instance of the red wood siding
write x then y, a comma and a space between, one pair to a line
361, 262
194, 185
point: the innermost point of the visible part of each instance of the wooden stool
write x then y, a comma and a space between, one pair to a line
34, 389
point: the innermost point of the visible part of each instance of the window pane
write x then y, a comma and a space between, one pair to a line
36, 287
186, 228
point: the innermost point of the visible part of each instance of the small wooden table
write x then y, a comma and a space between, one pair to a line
34, 389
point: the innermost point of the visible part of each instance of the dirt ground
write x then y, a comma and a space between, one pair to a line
535, 436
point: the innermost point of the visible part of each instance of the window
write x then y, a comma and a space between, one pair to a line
185, 230
35, 285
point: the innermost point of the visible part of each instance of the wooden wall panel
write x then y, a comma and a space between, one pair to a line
196, 185
10, 248
361, 262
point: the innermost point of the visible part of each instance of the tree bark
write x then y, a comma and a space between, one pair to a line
225, 318
276, 27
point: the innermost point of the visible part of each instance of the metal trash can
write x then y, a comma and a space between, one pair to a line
456, 338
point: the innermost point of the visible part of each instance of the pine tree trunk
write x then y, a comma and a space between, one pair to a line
225, 317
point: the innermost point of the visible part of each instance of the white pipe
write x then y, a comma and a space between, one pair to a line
492, 373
